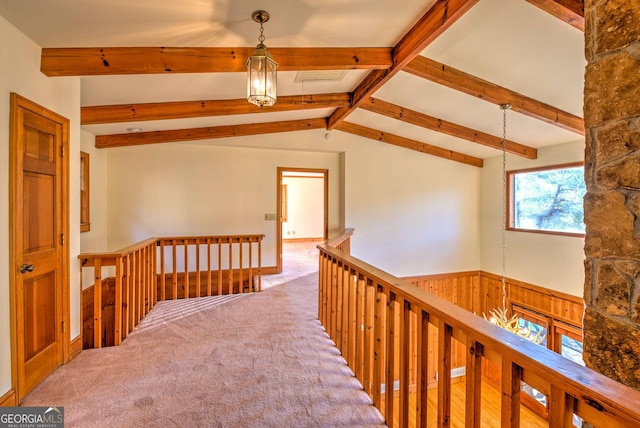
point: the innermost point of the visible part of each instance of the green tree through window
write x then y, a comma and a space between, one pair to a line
548, 199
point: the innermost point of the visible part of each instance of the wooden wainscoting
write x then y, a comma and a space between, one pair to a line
480, 292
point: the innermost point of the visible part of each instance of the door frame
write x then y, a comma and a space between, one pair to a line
281, 171
15, 198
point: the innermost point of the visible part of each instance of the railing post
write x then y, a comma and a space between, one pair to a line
405, 340
444, 374
97, 303
511, 380
561, 407
117, 337
390, 357
422, 369
473, 374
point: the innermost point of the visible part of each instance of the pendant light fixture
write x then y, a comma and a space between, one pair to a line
261, 69
499, 316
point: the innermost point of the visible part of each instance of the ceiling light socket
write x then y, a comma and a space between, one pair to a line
328, 136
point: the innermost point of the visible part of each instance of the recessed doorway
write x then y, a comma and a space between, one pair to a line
303, 214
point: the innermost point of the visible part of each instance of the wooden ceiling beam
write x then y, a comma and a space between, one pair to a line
162, 60
471, 85
437, 19
92, 115
569, 11
193, 134
433, 123
407, 143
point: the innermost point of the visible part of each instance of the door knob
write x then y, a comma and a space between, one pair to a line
26, 268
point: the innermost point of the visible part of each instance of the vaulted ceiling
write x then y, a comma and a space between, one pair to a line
427, 75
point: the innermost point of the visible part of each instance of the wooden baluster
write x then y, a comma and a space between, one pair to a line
140, 285
321, 291
359, 333
140, 275
153, 272
134, 289
187, 286
561, 407
230, 265
163, 284
252, 285
219, 267
339, 306
146, 266
97, 303
378, 334
240, 263
208, 266
197, 267
345, 325
405, 355
473, 375
260, 264
390, 358
131, 306
511, 381
175, 269
353, 319
117, 336
422, 370
125, 296
444, 374
368, 354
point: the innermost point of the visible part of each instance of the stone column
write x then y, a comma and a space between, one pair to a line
612, 203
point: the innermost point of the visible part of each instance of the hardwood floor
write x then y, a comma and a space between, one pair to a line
490, 412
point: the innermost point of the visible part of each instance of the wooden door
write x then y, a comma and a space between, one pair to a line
39, 280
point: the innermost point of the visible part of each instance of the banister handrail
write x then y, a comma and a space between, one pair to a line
337, 240
154, 269
594, 393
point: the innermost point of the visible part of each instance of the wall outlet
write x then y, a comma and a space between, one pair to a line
270, 217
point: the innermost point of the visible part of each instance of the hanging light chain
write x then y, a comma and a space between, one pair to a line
261, 38
504, 108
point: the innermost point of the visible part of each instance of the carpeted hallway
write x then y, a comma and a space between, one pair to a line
253, 360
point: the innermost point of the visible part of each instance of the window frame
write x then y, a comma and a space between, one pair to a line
510, 215
85, 205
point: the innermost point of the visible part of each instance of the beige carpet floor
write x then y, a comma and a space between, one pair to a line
254, 360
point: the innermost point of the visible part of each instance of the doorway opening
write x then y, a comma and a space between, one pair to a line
302, 212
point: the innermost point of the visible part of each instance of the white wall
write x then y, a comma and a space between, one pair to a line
19, 72
550, 261
413, 213
305, 206
183, 189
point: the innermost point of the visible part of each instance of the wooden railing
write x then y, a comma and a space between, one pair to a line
170, 268
381, 326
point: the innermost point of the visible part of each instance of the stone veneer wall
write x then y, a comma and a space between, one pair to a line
612, 204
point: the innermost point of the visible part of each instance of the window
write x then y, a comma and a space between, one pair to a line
85, 224
547, 200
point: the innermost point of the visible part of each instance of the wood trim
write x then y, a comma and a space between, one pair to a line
487, 91
85, 197
76, 345
167, 60
437, 19
407, 143
270, 270
92, 115
569, 11
433, 123
193, 134
509, 214
8, 399
293, 240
